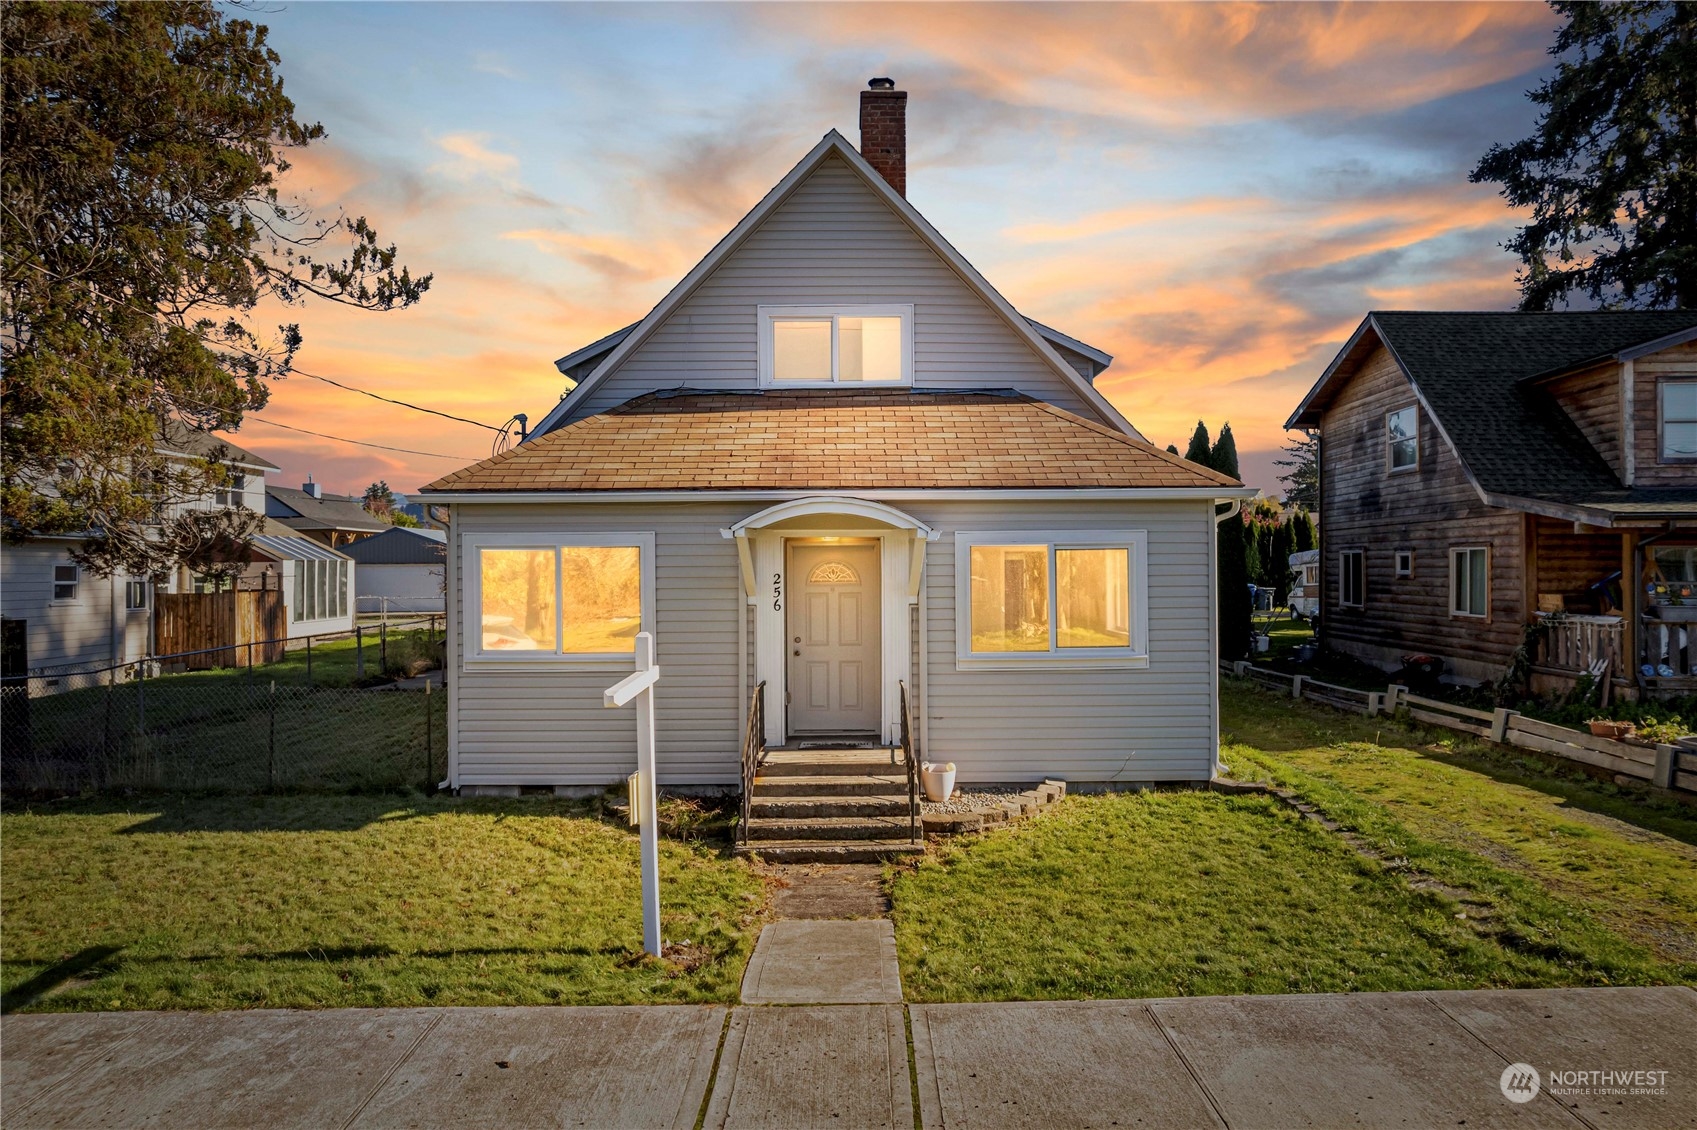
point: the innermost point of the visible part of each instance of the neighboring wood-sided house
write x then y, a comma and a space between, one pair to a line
1482, 472
836, 463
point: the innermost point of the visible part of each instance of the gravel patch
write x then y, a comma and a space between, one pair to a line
978, 800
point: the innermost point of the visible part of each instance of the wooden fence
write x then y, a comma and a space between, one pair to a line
245, 627
1667, 766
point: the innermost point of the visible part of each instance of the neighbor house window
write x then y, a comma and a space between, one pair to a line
824, 345
1470, 581
1405, 563
1046, 599
135, 594
1402, 438
65, 582
234, 494
580, 598
1679, 420
1352, 578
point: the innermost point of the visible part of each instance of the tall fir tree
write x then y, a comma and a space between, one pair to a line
1610, 174
1302, 482
1302, 532
1279, 552
1223, 458
1232, 610
1198, 451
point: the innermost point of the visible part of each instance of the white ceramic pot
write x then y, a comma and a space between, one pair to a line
938, 780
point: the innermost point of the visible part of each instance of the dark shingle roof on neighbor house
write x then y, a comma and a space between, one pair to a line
863, 439
181, 439
332, 512
400, 545
1480, 374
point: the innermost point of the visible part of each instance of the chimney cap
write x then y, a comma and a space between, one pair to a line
882, 84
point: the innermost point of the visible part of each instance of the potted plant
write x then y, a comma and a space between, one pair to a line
1610, 728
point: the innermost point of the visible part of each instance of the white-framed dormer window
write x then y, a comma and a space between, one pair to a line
1678, 411
1065, 599
821, 346
576, 598
1470, 581
65, 578
1402, 439
1352, 578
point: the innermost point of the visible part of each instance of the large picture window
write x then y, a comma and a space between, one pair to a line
584, 597
1470, 581
1054, 600
802, 346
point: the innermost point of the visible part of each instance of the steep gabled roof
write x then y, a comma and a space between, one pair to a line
329, 513
1479, 377
829, 439
832, 143
177, 438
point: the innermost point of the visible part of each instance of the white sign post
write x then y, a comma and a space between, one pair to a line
639, 685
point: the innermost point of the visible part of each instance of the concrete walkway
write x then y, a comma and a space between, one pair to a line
1367, 1059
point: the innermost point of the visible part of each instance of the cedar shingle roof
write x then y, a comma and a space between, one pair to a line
691, 439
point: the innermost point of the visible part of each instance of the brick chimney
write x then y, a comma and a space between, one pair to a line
883, 131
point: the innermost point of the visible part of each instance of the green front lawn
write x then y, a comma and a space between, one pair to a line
319, 902
1471, 873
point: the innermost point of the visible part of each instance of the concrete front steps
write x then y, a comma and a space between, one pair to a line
840, 805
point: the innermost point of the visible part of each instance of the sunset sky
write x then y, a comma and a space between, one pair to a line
1215, 194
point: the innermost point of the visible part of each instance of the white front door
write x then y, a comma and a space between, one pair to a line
833, 640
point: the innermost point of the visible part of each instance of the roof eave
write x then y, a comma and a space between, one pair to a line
1307, 414
1218, 493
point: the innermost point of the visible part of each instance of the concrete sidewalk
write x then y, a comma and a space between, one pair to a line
1368, 1059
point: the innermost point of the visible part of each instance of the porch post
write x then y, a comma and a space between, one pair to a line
1629, 599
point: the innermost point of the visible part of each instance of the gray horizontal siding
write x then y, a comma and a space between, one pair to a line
1147, 724
83, 631
833, 242
548, 727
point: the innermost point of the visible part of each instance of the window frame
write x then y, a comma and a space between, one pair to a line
1343, 575
1397, 568
1134, 656
133, 585
769, 314
1391, 467
75, 583
1456, 552
471, 597
1662, 456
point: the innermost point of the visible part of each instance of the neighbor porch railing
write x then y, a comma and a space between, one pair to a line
753, 756
1578, 644
911, 760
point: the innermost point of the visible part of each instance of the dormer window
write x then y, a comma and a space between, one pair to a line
1402, 439
1679, 421
820, 346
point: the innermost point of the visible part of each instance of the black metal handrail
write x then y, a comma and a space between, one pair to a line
753, 755
912, 762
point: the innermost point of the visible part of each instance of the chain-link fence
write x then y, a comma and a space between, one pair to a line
359, 712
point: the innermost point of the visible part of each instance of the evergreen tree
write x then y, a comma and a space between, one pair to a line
1198, 451
143, 222
1252, 552
1279, 556
1172, 449
1302, 484
1304, 536
1223, 458
1232, 598
1610, 175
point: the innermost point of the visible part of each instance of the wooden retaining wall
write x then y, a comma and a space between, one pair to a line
1666, 766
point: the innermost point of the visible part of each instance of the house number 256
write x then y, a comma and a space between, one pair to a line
777, 592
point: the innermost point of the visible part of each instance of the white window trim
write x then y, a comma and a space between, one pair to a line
1343, 571
75, 583
1662, 456
1455, 582
145, 595
1390, 445
1134, 656
471, 581
1396, 563
769, 314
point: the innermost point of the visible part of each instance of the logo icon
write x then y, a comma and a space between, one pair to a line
1519, 1082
